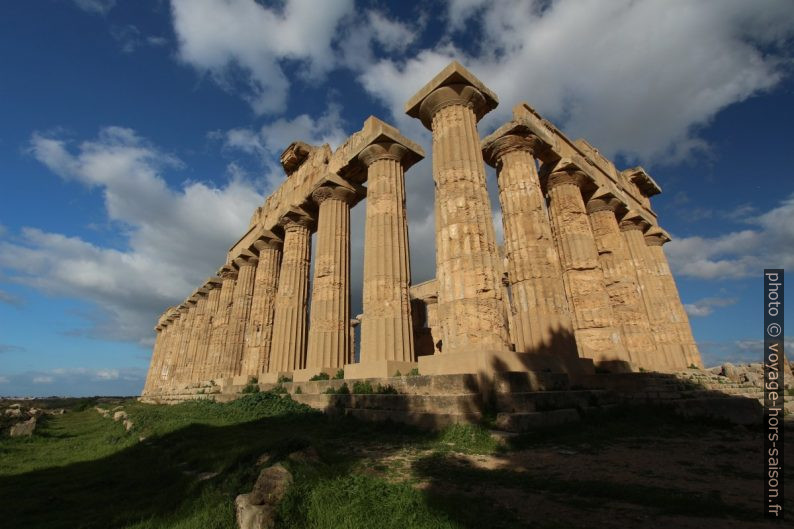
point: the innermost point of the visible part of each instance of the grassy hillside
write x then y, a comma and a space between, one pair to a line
181, 467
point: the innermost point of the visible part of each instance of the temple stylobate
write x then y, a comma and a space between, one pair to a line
580, 284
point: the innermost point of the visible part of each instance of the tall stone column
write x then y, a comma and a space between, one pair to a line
288, 349
620, 280
201, 369
471, 309
597, 337
387, 342
541, 317
655, 239
168, 330
188, 330
156, 351
238, 317
198, 336
329, 327
259, 330
657, 308
220, 323
177, 332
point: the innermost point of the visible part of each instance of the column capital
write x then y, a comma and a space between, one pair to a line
227, 272
245, 260
494, 149
342, 194
633, 222
454, 85
557, 178
266, 243
387, 150
293, 222
656, 236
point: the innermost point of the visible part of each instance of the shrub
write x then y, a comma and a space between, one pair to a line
339, 374
298, 390
398, 374
251, 387
413, 372
279, 389
362, 388
320, 376
282, 379
386, 390
341, 390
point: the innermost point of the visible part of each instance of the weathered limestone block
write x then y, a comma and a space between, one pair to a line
541, 317
593, 318
387, 343
329, 328
620, 280
669, 353
655, 239
238, 318
471, 309
259, 330
220, 323
288, 349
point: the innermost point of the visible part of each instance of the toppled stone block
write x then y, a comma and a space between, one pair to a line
257, 510
120, 416
250, 516
13, 412
271, 485
24, 428
128, 424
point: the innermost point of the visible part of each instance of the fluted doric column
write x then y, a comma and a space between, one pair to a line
655, 239
471, 308
620, 280
288, 349
386, 331
597, 337
220, 323
188, 330
203, 369
668, 350
197, 335
329, 326
541, 317
238, 317
156, 352
162, 363
174, 342
259, 330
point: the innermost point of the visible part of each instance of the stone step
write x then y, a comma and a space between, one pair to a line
440, 404
552, 400
525, 421
430, 421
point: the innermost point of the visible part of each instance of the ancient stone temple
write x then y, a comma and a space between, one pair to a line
580, 285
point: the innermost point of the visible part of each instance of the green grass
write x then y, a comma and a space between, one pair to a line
81, 470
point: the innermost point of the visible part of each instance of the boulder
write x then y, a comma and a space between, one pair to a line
307, 455
15, 406
257, 510
24, 428
250, 516
128, 424
13, 412
729, 370
119, 416
271, 485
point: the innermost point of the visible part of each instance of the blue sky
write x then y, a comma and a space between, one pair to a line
137, 138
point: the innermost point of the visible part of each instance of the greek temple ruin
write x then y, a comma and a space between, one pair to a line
580, 285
